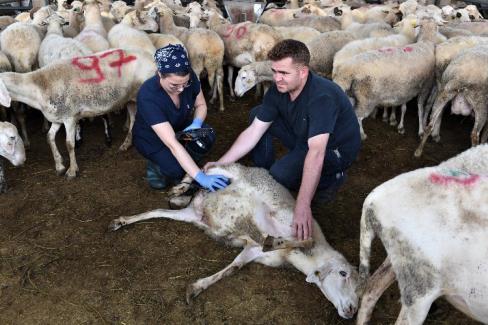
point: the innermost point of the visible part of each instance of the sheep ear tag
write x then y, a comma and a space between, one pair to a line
4, 95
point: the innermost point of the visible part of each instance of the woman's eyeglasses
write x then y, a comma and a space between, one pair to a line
181, 86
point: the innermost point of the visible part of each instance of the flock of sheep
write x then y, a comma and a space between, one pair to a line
382, 56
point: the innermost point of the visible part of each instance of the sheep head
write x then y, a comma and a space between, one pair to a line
11, 144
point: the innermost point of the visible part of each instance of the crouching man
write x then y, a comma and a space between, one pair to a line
313, 119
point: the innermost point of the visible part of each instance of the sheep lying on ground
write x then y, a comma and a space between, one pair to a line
466, 85
88, 86
12, 148
433, 223
252, 211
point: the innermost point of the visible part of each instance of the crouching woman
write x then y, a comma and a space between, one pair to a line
169, 102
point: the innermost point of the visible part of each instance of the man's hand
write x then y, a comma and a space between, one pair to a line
212, 182
211, 164
302, 221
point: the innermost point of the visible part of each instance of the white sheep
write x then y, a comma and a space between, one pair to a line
276, 17
362, 30
466, 84
94, 34
74, 26
12, 148
69, 90
391, 76
55, 47
249, 213
162, 40
433, 223
129, 33
406, 36
20, 42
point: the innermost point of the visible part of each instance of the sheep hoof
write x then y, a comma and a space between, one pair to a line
70, 175
363, 136
418, 153
116, 224
124, 146
191, 292
60, 171
393, 123
436, 138
401, 130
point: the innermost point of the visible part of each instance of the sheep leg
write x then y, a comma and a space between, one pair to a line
401, 128
484, 135
381, 280
107, 129
70, 126
131, 111
438, 108
3, 180
211, 82
220, 87
230, 77
187, 215
247, 255
19, 111
393, 119
480, 115
181, 188
429, 104
51, 140
385, 114
421, 99
416, 313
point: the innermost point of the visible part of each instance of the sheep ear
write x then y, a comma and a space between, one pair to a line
4, 95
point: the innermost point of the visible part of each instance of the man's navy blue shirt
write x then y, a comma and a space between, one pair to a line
154, 106
322, 107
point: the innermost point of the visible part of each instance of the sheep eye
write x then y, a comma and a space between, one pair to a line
343, 273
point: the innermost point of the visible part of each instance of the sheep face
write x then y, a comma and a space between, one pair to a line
11, 144
338, 281
246, 79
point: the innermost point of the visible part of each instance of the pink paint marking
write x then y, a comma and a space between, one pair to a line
407, 49
386, 50
228, 31
241, 31
94, 65
120, 62
445, 180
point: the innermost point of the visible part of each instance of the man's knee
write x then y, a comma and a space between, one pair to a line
285, 177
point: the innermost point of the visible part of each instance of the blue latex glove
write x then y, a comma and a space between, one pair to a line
196, 124
212, 182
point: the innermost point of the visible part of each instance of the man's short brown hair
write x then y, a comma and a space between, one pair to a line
290, 48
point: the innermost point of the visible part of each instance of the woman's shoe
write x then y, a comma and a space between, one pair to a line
154, 177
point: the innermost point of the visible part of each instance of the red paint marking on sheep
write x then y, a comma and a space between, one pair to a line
445, 180
120, 62
228, 31
95, 64
386, 50
241, 31
407, 49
